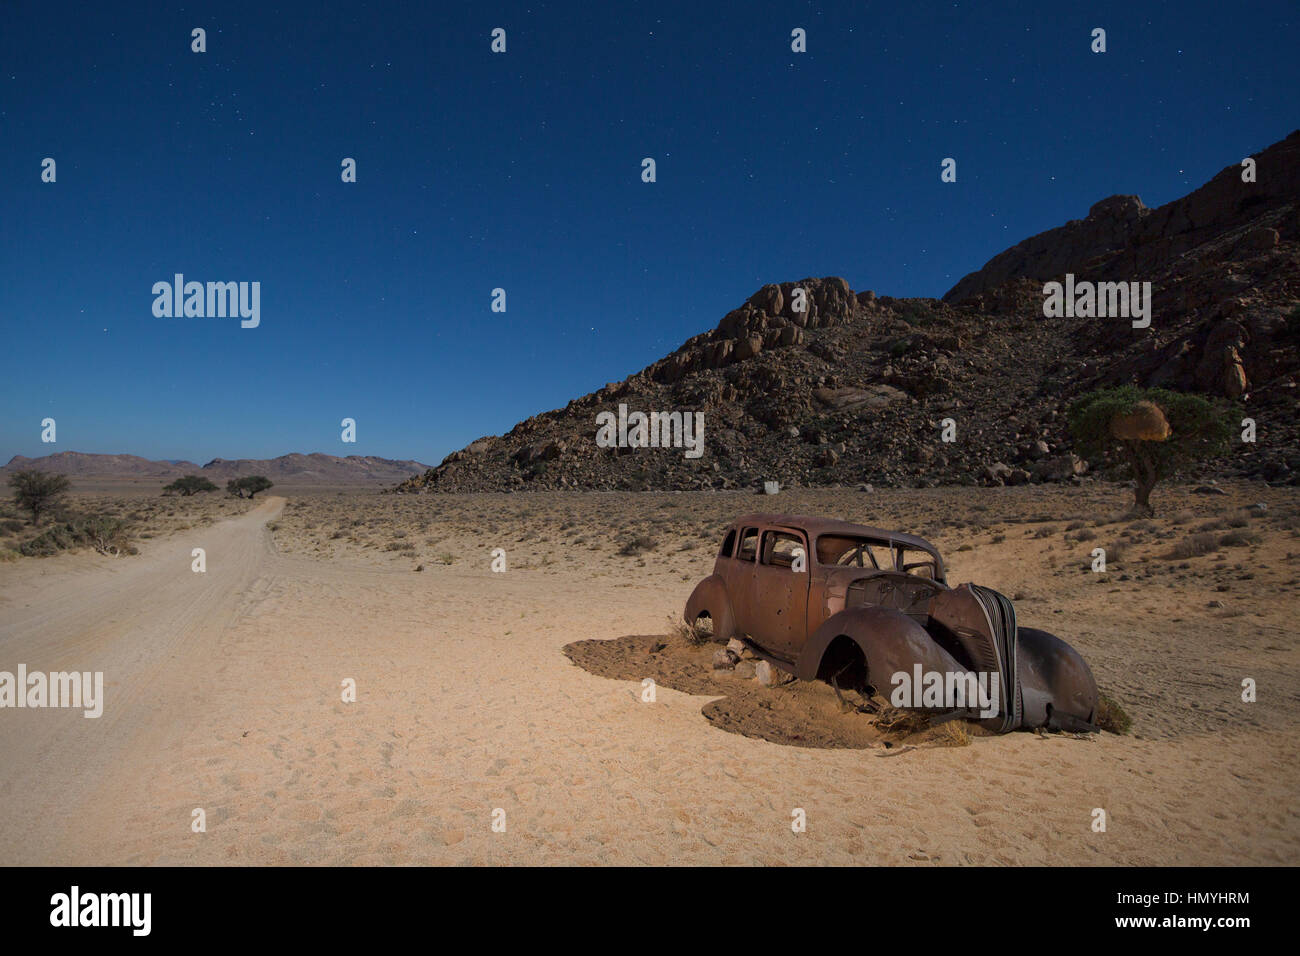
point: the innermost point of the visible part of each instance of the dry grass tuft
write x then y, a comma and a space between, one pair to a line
953, 733
1111, 716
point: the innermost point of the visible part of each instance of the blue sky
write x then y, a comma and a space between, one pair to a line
522, 171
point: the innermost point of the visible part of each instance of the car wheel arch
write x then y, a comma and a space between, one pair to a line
710, 599
890, 641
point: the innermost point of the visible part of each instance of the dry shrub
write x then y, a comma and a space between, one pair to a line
637, 545
1193, 546
898, 720
701, 632
1111, 716
1238, 539
952, 733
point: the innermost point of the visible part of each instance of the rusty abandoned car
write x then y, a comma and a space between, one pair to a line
866, 608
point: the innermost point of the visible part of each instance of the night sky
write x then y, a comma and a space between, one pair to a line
522, 171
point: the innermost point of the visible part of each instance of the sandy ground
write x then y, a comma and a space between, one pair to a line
224, 691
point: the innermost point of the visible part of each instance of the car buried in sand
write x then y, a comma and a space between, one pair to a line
869, 609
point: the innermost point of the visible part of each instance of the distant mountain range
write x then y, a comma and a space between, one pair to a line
314, 468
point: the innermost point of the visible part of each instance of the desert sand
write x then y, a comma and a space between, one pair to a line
223, 690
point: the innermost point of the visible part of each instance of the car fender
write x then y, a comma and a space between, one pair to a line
710, 595
1054, 675
890, 641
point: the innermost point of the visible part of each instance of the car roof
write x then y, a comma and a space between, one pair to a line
819, 526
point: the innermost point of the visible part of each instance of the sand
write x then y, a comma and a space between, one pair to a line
224, 691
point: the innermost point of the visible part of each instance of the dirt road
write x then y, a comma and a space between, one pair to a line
224, 694
152, 625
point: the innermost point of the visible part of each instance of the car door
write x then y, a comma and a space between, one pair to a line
740, 579
781, 580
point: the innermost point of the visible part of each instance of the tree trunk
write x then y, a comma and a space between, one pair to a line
1145, 478
1142, 498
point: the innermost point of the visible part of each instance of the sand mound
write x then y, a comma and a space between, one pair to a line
796, 714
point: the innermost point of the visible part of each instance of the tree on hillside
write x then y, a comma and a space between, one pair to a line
1154, 432
189, 485
37, 491
250, 484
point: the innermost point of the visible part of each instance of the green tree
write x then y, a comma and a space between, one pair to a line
190, 485
256, 483
1198, 429
37, 491
250, 484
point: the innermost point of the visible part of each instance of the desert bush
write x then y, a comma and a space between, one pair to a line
189, 485
1239, 539
638, 544
701, 632
105, 534
38, 491
952, 733
1193, 546
1111, 716
900, 720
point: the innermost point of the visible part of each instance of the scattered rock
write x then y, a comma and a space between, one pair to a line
767, 675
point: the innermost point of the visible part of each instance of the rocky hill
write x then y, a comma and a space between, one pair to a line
855, 388
302, 469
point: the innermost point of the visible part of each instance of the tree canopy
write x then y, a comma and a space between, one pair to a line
38, 491
190, 485
249, 484
1113, 419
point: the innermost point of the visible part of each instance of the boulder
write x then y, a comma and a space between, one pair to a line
748, 348
848, 397
1059, 468
768, 299
767, 675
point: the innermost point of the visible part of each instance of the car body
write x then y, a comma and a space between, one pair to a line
831, 600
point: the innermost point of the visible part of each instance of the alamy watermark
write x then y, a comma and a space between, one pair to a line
200, 300
950, 690
75, 908
56, 689
1086, 300
651, 430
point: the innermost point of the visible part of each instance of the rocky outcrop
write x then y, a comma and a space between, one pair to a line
860, 388
774, 317
1122, 238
